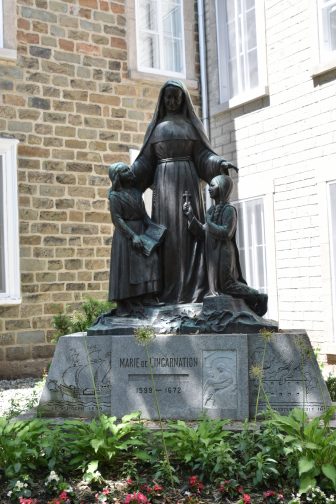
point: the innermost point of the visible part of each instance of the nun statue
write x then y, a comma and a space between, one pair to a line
175, 157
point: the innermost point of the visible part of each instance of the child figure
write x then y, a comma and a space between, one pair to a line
224, 272
134, 270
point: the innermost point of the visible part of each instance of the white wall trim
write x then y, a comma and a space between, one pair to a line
12, 294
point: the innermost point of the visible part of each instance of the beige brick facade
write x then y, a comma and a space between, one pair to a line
70, 100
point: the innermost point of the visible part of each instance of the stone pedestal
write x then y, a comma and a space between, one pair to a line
187, 374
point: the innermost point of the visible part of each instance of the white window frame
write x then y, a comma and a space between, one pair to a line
243, 202
332, 251
252, 187
322, 61
160, 71
223, 57
1, 26
12, 294
323, 178
7, 30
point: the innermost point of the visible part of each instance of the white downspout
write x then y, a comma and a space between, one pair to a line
204, 80
203, 65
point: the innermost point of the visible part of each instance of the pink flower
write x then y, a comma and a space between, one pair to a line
200, 487
269, 493
106, 491
63, 496
136, 498
193, 480
157, 488
246, 499
24, 500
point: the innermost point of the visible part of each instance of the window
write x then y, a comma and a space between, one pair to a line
241, 50
332, 241
1, 25
327, 28
251, 242
7, 29
9, 234
160, 37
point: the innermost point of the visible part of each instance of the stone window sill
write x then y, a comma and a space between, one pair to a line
160, 78
8, 54
323, 68
237, 101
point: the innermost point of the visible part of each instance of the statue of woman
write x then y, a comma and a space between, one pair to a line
222, 257
175, 156
134, 273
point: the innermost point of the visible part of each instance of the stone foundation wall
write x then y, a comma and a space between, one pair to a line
70, 102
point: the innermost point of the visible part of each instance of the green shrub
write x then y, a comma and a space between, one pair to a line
331, 384
80, 320
204, 449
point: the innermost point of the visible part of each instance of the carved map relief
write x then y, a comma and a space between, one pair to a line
220, 379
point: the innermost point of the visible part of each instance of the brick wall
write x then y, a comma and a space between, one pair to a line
288, 138
69, 101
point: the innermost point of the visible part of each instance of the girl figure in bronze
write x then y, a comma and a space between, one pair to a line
134, 271
219, 230
175, 157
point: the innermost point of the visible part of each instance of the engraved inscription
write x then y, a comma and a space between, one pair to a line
220, 379
158, 362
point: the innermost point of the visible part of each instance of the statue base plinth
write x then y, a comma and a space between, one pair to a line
190, 374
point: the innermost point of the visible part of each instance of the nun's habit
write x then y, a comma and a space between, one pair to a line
175, 156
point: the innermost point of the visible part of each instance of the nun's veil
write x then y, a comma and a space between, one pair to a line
187, 110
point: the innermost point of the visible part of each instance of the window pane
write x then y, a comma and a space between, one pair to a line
253, 68
2, 244
173, 55
251, 38
251, 242
172, 36
329, 26
242, 45
333, 28
1, 25
148, 15
150, 55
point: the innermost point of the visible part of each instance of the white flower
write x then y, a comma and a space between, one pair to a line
9, 493
52, 477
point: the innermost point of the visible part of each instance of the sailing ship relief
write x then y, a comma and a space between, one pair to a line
85, 383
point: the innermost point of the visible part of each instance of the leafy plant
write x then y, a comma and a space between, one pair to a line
103, 442
80, 320
311, 444
19, 452
331, 385
204, 449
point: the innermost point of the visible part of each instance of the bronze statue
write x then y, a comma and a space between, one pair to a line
222, 257
175, 157
134, 276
